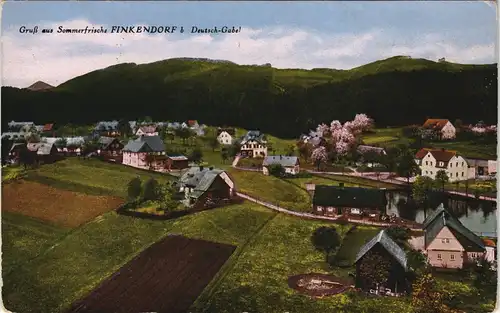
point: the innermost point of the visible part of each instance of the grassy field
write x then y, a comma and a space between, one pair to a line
91, 176
61, 207
12, 172
89, 254
271, 189
24, 238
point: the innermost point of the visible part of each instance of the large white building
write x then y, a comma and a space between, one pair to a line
444, 128
456, 167
225, 136
253, 144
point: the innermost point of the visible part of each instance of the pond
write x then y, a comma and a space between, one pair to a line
479, 216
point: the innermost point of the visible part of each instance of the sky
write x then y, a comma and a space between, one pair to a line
339, 35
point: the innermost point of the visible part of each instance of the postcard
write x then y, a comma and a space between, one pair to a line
249, 157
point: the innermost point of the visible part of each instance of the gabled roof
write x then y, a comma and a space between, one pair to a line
255, 135
365, 149
47, 127
230, 131
178, 157
353, 197
41, 148
15, 146
439, 154
145, 143
191, 123
435, 123
107, 125
199, 179
442, 218
148, 129
106, 141
285, 161
388, 244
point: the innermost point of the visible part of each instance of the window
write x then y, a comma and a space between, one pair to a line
456, 174
440, 163
452, 257
439, 256
462, 163
463, 174
451, 164
473, 255
442, 241
447, 240
426, 172
320, 209
431, 172
456, 164
426, 163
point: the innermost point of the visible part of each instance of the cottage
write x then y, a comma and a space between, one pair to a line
204, 187
107, 128
448, 243
110, 148
225, 135
443, 127
482, 166
46, 152
492, 167
340, 200
431, 161
147, 152
362, 149
385, 247
147, 131
253, 144
178, 162
290, 164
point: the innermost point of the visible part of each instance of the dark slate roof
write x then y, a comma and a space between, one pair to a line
145, 143
442, 218
199, 179
105, 141
255, 135
285, 161
353, 197
230, 131
385, 241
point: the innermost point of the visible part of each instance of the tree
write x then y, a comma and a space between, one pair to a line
196, 155
276, 170
27, 158
442, 178
165, 193
318, 156
150, 190
61, 143
407, 167
421, 187
427, 298
304, 150
224, 154
124, 127
234, 149
290, 150
399, 234
374, 269
6, 146
325, 239
183, 133
134, 188
417, 262
33, 138
213, 142
485, 277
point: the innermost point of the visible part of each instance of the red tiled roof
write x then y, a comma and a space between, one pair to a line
192, 122
438, 154
489, 243
47, 127
436, 123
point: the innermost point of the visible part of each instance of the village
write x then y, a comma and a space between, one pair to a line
338, 173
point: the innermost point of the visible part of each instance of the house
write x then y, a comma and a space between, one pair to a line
448, 243
253, 144
73, 144
204, 187
110, 148
385, 247
146, 152
16, 126
340, 200
46, 152
370, 154
147, 131
177, 162
15, 151
444, 127
14, 135
492, 167
107, 128
192, 124
225, 135
291, 164
48, 129
431, 161
482, 166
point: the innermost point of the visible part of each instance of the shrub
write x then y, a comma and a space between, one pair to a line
134, 188
150, 189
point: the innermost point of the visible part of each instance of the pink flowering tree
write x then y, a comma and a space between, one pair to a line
319, 155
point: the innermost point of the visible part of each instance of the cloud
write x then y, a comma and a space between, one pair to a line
56, 58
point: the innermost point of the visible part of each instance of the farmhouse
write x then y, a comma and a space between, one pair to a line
147, 131
448, 243
431, 161
177, 162
443, 127
290, 164
46, 152
204, 187
383, 246
225, 135
110, 148
340, 200
253, 144
482, 167
107, 128
146, 152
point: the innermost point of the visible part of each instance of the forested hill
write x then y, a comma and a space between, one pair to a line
283, 102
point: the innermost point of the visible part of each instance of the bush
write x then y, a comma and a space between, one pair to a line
134, 188
150, 189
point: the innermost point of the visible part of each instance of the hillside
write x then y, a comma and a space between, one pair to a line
284, 102
39, 85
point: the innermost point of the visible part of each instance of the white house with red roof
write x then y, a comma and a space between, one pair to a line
147, 131
456, 167
444, 127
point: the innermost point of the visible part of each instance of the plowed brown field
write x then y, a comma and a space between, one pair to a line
165, 278
62, 207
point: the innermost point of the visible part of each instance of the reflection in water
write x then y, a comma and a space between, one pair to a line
478, 216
